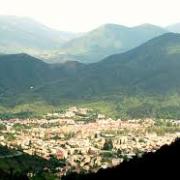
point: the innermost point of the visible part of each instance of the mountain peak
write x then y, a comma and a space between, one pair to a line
111, 25
109, 39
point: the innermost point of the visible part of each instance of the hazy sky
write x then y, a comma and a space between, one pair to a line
84, 15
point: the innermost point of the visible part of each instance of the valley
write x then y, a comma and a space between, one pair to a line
74, 103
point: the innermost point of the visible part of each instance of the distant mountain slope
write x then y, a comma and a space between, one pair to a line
24, 35
21, 34
174, 28
107, 40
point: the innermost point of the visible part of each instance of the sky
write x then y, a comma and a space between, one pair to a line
85, 15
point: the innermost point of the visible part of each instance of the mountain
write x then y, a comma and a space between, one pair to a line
107, 40
25, 35
20, 74
144, 81
174, 28
151, 67
21, 34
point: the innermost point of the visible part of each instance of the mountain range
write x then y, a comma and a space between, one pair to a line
150, 68
24, 35
107, 40
135, 70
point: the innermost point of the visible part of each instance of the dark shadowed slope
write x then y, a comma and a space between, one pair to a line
20, 74
151, 68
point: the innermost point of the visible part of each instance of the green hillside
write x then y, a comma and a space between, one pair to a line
145, 80
141, 82
150, 68
21, 74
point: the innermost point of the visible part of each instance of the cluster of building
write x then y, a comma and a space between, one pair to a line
81, 142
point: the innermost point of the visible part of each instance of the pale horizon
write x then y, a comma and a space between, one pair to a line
85, 15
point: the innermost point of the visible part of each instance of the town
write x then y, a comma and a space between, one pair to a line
86, 140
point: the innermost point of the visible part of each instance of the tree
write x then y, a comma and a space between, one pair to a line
108, 145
